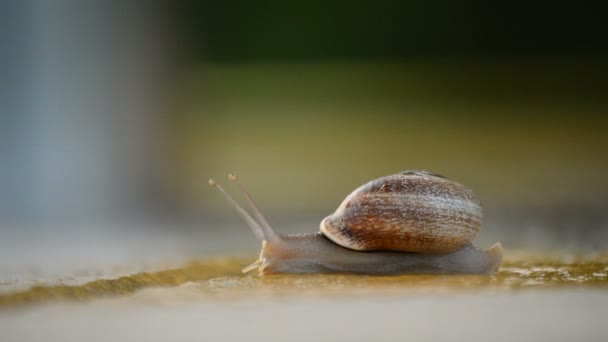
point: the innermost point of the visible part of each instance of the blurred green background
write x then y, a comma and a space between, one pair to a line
119, 112
308, 100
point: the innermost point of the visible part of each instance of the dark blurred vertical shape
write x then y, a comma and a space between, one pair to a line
83, 88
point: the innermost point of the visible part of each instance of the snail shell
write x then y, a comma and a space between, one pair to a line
412, 211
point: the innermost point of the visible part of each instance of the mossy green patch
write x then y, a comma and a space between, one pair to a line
221, 279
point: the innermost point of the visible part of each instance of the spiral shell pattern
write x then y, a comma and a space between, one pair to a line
412, 211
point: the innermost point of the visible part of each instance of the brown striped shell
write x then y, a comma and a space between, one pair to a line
412, 211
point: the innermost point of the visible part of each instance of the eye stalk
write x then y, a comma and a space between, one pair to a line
268, 231
261, 228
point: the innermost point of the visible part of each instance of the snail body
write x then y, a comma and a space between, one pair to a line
410, 222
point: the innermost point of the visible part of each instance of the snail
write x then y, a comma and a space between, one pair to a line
410, 222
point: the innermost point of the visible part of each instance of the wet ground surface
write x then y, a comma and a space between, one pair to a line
532, 297
219, 278
134, 289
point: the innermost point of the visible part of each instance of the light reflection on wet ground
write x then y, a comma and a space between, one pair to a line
221, 278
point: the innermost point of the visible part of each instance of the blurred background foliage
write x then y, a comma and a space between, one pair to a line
119, 110
316, 97
369, 30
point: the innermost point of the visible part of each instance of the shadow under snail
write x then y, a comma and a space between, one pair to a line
410, 222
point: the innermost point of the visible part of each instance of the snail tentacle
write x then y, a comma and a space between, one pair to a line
269, 233
264, 232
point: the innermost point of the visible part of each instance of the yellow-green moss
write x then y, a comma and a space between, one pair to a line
221, 278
